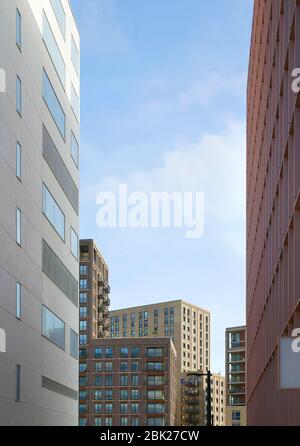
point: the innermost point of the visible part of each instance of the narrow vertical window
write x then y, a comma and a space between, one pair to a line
18, 160
18, 383
18, 29
18, 300
74, 243
19, 96
74, 149
18, 228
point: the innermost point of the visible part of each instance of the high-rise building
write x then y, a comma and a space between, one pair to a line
128, 382
235, 368
186, 324
39, 134
94, 293
192, 409
273, 207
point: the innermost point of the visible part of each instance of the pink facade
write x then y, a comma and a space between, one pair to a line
273, 208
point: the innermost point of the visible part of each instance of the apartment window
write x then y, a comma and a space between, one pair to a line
108, 408
83, 270
83, 284
83, 339
97, 352
82, 367
155, 408
98, 367
135, 366
236, 416
97, 408
18, 383
83, 298
53, 50
53, 328
82, 408
73, 344
82, 422
19, 96
109, 395
124, 352
74, 243
124, 366
83, 381
82, 395
75, 102
135, 394
74, 149
135, 421
53, 105
18, 226
155, 422
53, 213
134, 380
123, 380
18, 161
155, 352
98, 421
97, 380
155, 395
155, 313
83, 311
83, 325
123, 408
124, 395
18, 29
97, 395
109, 352
75, 55
82, 353
155, 380
18, 300
60, 15
108, 421
108, 366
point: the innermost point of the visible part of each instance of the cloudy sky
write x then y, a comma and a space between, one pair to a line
163, 109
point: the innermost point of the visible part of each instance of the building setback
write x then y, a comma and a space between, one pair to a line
39, 134
128, 382
273, 208
186, 324
235, 369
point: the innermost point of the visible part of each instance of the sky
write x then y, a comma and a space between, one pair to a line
163, 85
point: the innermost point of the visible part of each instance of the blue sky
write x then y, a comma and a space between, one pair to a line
163, 109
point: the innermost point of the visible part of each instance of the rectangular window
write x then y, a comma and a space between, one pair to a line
75, 55
75, 103
60, 15
73, 344
18, 300
98, 395
97, 352
82, 339
74, 243
83, 298
18, 161
83, 325
74, 149
18, 383
53, 50
19, 96
19, 29
54, 214
83, 311
18, 227
53, 328
83, 284
53, 105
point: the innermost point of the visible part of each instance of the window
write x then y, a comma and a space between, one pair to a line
124, 421
155, 395
82, 422
123, 408
82, 408
75, 103
98, 408
19, 29
155, 380
123, 380
83, 283
109, 352
83, 270
18, 300
74, 243
109, 381
124, 366
83, 339
108, 421
74, 149
135, 394
134, 408
135, 421
53, 105
135, 352
98, 367
18, 161
83, 325
75, 55
108, 408
134, 380
155, 408
83, 381
236, 416
18, 228
53, 50
83, 298
108, 395
98, 421
83, 311
98, 395
73, 344
97, 352
60, 15
82, 367
53, 213
155, 352
124, 395
97, 380
18, 383
134, 366
19, 96
156, 422
108, 366
53, 328
82, 353
82, 395
155, 366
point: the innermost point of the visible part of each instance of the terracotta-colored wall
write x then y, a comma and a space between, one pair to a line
273, 207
